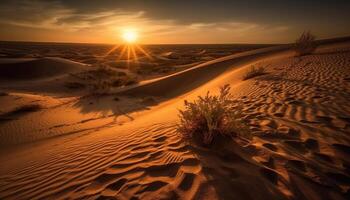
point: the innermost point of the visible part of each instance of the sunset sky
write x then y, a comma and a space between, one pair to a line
172, 21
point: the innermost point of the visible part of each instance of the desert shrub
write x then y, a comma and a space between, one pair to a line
130, 81
211, 118
103, 71
305, 44
124, 81
104, 78
254, 72
101, 86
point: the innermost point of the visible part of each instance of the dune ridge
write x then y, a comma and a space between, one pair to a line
31, 69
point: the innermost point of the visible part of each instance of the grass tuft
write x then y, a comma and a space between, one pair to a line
305, 44
254, 72
105, 78
211, 119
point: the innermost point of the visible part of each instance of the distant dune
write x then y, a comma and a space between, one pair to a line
31, 69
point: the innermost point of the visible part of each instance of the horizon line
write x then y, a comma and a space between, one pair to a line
98, 43
101, 43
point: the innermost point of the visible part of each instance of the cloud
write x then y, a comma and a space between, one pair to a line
32, 13
106, 25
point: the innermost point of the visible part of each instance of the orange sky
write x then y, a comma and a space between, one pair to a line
171, 22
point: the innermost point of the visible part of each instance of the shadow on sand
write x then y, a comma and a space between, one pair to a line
230, 170
141, 96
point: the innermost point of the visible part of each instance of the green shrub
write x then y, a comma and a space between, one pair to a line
211, 118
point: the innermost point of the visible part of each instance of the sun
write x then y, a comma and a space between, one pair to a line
130, 36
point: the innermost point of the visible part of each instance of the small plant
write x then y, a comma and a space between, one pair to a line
254, 72
104, 78
211, 119
101, 87
305, 44
124, 81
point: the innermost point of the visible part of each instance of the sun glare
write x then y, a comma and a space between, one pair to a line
129, 36
129, 50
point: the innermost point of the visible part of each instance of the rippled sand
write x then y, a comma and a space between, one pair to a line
128, 148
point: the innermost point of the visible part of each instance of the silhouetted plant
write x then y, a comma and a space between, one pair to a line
305, 44
105, 78
254, 72
211, 118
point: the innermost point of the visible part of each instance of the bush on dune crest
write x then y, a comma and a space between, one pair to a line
254, 72
106, 78
211, 119
305, 44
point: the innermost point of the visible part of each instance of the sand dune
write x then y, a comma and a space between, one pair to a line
46, 76
297, 112
190, 79
24, 69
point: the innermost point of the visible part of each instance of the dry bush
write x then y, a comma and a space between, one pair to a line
124, 81
105, 78
305, 44
211, 119
254, 72
103, 71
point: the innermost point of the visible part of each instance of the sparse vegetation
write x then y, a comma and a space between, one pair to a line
254, 72
104, 78
211, 119
305, 44
125, 80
